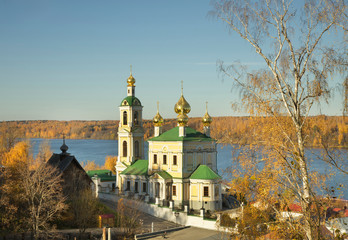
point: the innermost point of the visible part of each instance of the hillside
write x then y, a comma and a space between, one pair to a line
236, 130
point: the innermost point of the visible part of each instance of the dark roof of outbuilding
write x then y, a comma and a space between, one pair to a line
62, 161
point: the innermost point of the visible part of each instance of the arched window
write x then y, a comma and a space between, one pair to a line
124, 149
124, 118
136, 121
136, 148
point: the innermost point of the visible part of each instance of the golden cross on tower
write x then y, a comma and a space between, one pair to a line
157, 106
131, 69
206, 106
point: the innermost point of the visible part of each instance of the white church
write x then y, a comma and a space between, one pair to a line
181, 166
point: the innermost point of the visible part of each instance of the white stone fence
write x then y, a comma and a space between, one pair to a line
166, 213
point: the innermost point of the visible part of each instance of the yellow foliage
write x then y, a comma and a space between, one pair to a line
110, 162
90, 165
17, 156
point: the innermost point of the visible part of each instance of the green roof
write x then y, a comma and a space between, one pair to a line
164, 175
137, 168
104, 175
173, 135
130, 101
204, 172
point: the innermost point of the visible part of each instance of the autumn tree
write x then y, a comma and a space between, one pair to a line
90, 165
43, 196
83, 210
128, 215
31, 195
110, 163
294, 43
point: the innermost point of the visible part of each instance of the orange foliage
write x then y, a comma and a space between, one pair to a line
235, 130
110, 162
17, 156
90, 165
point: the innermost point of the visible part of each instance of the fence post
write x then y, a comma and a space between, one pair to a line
109, 233
104, 233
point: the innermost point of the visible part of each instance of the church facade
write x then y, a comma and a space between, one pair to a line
181, 164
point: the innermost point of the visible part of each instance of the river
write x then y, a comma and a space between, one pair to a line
97, 150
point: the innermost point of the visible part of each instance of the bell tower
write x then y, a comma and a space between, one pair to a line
130, 129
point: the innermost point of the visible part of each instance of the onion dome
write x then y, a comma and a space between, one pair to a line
158, 120
131, 79
206, 120
64, 148
182, 106
182, 119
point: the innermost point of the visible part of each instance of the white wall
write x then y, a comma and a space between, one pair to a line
164, 213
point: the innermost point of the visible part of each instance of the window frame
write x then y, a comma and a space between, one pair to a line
165, 159
136, 187
155, 159
124, 149
144, 187
175, 160
205, 191
125, 118
174, 190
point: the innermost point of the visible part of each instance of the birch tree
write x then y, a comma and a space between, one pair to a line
302, 46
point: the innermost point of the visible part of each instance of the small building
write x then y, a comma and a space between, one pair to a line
103, 179
74, 176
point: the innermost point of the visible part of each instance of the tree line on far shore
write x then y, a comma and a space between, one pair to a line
331, 130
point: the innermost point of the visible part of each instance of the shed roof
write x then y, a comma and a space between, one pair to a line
103, 174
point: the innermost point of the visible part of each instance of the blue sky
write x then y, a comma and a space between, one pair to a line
69, 60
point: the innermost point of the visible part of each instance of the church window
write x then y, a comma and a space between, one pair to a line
174, 190
175, 162
128, 186
124, 149
136, 121
155, 159
164, 159
144, 187
136, 148
206, 192
124, 118
136, 187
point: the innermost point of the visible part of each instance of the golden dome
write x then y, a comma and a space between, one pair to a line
182, 119
182, 106
158, 120
206, 118
131, 80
